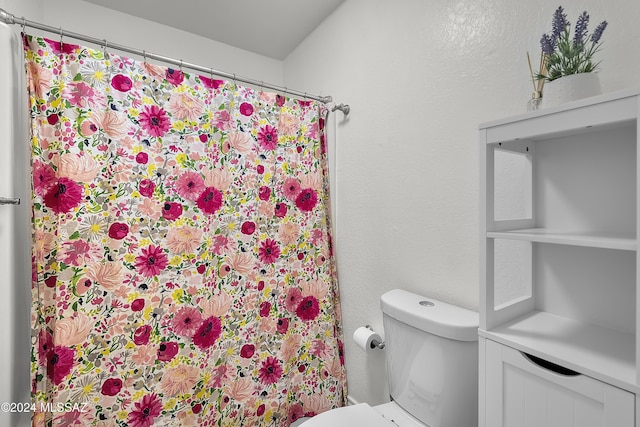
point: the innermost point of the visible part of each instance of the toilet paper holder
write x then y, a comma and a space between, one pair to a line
375, 343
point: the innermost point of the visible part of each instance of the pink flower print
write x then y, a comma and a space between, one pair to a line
208, 332
222, 120
241, 142
308, 309
152, 261
142, 158
185, 239
154, 121
59, 363
295, 412
268, 137
248, 227
146, 187
179, 380
45, 346
269, 251
264, 193
190, 185
167, 351
280, 100
44, 177
260, 410
210, 201
220, 243
270, 371
186, 321
63, 196
280, 210
307, 199
58, 48
184, 106
75, 252
171, 211
288, 232
111, 387
72, 331
291, 189
137, 304
247, 350
265, 308
39, 79
51, 281
219, 376
79, 94
246, 109
118, 230
78, 167
52, 119
175, 77
293, 299
146, 411
141, 335
121, 83
83, 285
210, 83
283, 325
111, 122
88, 128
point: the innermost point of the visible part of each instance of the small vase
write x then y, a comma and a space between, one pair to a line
570, 88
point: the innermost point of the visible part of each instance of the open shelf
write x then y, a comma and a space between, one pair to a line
601, 353
594, 240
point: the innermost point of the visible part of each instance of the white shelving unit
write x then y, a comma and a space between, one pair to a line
559, 256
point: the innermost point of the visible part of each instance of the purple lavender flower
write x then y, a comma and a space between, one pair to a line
564, 55
559, 23
595, 37
547, 44
581, 29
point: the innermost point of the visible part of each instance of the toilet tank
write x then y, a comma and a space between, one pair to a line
432, 358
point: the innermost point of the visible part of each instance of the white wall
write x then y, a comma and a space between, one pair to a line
420, 75
102, 23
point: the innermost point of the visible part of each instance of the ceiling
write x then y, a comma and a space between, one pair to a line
271, 28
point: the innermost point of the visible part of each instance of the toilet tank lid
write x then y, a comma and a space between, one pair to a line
442, 319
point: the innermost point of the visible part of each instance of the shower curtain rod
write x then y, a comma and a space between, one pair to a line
9, 18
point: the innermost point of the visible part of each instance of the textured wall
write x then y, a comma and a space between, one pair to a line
420, 75
99, 22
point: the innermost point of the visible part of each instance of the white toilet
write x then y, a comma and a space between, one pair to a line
432, 368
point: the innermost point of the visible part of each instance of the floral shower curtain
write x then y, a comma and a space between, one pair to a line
182, 267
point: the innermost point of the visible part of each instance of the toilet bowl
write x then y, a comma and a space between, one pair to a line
431, 355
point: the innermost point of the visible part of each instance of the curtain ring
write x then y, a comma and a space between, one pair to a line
104, 50
261, 86
181, 65
61, 44
144, 56
24, 24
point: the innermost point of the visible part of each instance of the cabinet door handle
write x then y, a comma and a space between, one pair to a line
549, 366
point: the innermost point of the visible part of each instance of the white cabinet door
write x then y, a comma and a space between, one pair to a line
520, 393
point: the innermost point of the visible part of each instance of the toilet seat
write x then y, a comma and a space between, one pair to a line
349, 416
